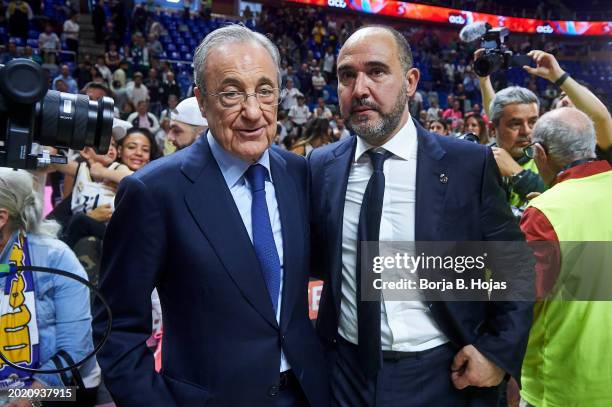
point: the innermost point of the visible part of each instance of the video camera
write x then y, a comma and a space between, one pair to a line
496, 54
29, 113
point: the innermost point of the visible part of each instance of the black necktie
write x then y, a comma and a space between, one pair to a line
368, 312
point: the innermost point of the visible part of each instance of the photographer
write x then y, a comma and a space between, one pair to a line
583, 99
513, 112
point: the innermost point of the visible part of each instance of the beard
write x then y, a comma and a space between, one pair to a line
377, 131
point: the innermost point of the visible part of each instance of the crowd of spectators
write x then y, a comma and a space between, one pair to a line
146, 92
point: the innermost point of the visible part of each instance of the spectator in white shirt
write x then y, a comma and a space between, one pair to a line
434, 112
318, 82
142, 118
71, 33
322, 111
289, 95
104, 70
49, 44
136, 90
329, 62
299, 114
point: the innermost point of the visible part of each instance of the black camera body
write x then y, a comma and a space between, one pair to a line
471, 137
496, 54
29, 113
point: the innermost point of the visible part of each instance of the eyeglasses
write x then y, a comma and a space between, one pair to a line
266, 97
530, 150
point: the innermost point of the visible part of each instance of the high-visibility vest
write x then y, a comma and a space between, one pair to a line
569, 354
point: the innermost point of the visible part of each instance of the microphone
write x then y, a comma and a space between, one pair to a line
474, 31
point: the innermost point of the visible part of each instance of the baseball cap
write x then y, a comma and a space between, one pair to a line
188, 112
120, 127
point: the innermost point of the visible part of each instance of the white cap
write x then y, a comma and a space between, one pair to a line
188, 112
120, 127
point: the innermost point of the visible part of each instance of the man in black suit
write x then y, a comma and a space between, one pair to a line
220, 228
395, 181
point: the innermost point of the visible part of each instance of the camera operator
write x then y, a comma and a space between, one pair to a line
579, 96
513, 112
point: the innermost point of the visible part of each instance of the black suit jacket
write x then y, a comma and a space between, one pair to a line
177, 228
470, 206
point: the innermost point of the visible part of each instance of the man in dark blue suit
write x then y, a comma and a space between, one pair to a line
221, 230
393, 181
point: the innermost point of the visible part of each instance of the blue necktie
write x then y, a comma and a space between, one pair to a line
368, 312
263, 238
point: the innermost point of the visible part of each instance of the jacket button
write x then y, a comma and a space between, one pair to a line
334, 341
273, 391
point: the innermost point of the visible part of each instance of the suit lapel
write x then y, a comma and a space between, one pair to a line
431, 186
213, 208
292, 231
337, 171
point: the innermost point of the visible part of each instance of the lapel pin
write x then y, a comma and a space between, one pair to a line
443, 178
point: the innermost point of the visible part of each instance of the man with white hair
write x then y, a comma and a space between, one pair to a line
187, 124
220, 229
566, 362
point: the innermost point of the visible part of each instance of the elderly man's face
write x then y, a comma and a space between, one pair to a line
514, 129
247, 129
372, 87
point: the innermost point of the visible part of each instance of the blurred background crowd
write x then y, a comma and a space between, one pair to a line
140, 54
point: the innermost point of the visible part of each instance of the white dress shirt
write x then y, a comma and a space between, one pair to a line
233, 169
406, 326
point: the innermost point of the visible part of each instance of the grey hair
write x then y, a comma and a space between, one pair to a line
233, 33
19, 197
568, 135
510, 96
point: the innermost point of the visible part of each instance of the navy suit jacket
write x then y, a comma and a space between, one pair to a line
470, 206
176, 227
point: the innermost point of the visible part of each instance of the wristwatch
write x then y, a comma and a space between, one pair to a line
516, 177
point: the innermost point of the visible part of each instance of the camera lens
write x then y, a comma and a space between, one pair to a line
488, 63
74, 121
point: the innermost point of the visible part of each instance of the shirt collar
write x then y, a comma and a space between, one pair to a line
232, 167
583, 170
402, 145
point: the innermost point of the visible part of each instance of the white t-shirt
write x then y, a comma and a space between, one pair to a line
328, 63
299, 115
71, 30
87, 194
49, 42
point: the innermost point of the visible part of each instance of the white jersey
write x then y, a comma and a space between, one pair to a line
87, 194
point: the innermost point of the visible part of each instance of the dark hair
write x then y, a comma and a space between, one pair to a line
153, 151
484, 131
96, 85
316, 128
443, 122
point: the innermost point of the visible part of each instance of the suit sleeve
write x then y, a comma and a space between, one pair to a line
503, 339
133, 258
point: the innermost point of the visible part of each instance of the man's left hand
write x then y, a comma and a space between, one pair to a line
471, 368
507, 166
